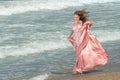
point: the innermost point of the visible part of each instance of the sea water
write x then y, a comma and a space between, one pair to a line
33, 35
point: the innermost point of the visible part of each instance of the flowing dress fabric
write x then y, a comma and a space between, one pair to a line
88, 50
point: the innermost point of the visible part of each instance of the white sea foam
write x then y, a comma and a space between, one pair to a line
21, 6
98, 1
31, 48
104, 36
39, 77
16, 7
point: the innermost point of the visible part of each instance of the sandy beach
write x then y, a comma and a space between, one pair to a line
108, 72
108, 76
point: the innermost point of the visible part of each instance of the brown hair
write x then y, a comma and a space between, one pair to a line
82, 14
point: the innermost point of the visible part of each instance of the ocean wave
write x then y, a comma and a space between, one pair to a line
17, 7
98, 1
104, 36
39, 77
31, 48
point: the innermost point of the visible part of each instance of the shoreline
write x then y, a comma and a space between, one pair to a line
106, 76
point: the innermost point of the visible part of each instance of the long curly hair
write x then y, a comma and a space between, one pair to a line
82, 14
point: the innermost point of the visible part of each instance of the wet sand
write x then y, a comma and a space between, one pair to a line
108, 76
108, 72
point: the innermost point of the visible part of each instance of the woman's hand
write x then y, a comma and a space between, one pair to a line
68, 37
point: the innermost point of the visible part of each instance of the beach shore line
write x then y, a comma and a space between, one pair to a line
107, 76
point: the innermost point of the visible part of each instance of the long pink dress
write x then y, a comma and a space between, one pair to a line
88, 50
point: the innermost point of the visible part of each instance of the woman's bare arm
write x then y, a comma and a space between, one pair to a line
70, 34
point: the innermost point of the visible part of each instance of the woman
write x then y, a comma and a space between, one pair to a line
88, 50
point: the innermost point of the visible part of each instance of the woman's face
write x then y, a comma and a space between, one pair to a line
76, 18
